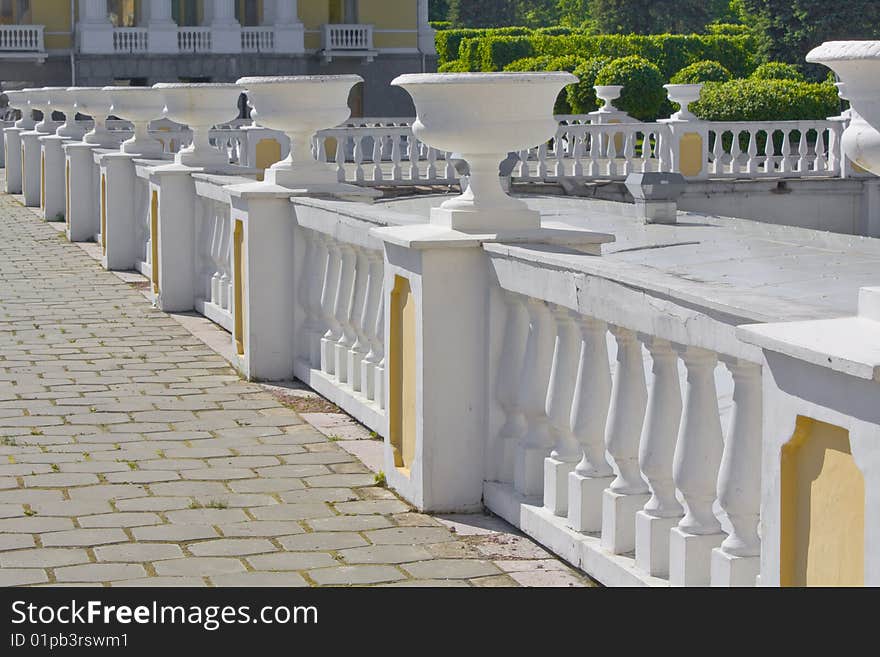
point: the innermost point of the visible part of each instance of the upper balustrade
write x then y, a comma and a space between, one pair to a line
21, 39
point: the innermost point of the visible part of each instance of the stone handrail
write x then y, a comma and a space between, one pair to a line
257, 39
131, 40
194, 39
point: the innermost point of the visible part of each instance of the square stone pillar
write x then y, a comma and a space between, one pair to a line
436, 291
283, 16
53, 197
263, 280
12, 146
31, 165
687, 147
81, 177
163, 29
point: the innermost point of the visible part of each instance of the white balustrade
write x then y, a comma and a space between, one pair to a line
194, 39
131, 40
347, 37
788, 149
143, 237
213, 261
257, 39
22, 38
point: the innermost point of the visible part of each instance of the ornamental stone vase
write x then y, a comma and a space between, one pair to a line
140, 105
483, 117
300, 106
683, 95
19, 100
95, 102
857, 64
201, 107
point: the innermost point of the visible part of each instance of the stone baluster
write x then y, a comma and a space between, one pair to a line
561, 138
318, 325
379, 373
377, 157
340, 157
656, 451
803, 164
216, 257
304, 293
329, 293
752, 161
358, 349
358, 155
413, 146
577, 153
589, 412
536, 443
735, 152
320, 148
768, 155
595, 151
396, 173
821, 162
695, 472
342, 310
718, 152
543, 169
611, 138
226, 277
431, 173
566, 451
737, 561
628, 493
372, 310
629, 152
513, 351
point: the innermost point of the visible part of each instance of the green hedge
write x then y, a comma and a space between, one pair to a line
777, 71
766, 100
449, 41
706, 71
441, 25
643, 93
669, 52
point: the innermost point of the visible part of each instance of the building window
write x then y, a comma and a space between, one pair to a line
343, 11
187, 12
122, 13
248, 12
15, 12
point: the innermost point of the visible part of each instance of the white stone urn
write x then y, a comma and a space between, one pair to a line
201, 107
857, 64
483, 117
300, 106
62, 100
95, 102
683, 95
608, 93
140, 105
19, 100
39, 100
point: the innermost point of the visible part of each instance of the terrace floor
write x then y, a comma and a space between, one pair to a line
132, 454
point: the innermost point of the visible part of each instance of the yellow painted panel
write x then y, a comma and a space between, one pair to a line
268, 152
238, 285
313, 14
823, 509
54, 14
396, 40
691, 154
402, 374
154, 239
312, 41
389, 14
104, 214
57, 41
67, 193
42, 181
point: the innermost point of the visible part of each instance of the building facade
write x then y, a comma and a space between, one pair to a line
140, 42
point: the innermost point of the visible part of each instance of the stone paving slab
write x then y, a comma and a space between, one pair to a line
132, 454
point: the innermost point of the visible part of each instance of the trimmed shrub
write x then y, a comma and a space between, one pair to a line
530, 64
556, 30
581, 96
496, 53
441, 25
469, 54
728, 29
766, 100
777, 71
455, 66
449, 41
568, 63
643, 93
705, 71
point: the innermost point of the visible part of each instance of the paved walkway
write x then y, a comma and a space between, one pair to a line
132, 454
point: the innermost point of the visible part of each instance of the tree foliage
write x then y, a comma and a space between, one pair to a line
791, 28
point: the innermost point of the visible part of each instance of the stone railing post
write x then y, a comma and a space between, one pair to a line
94, 29
225, 29
687, 137
162, 28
